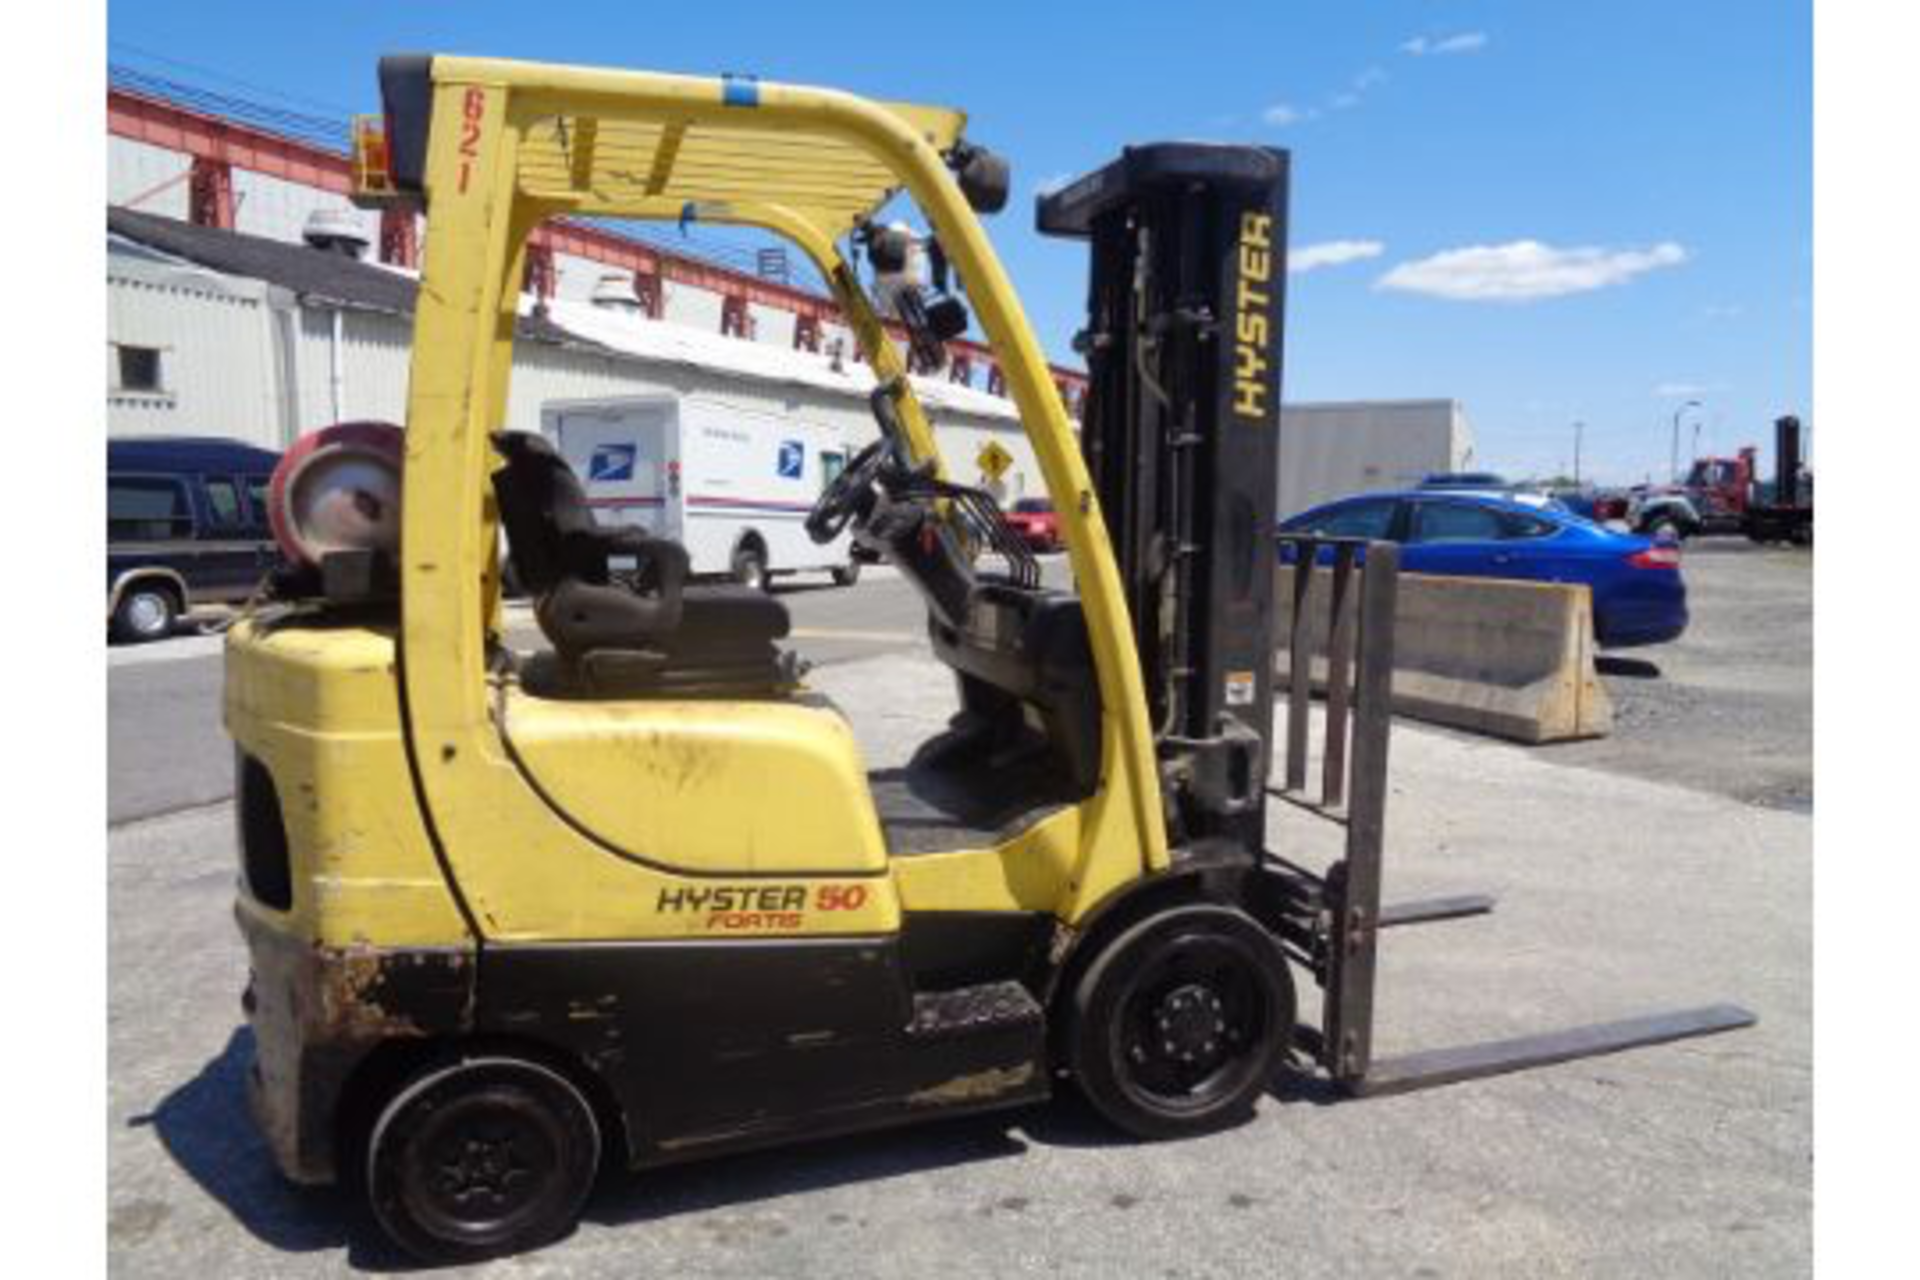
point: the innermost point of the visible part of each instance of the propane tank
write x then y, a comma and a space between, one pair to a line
338, 489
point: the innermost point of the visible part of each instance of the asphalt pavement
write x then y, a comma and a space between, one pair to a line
1629, 881
1617, 897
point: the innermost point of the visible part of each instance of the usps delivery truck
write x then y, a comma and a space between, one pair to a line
732, 485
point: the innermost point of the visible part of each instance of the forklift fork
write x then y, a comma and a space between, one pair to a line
1340, 914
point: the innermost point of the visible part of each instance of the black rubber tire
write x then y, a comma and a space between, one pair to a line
847, 574
146, 611
472, 1108
750, 567
1124, 1000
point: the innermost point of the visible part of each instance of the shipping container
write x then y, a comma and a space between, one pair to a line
1336, 449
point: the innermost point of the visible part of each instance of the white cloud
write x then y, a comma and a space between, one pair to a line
1465, 42
1524, 270
1332, 253
1369, 78
1285, 113
1341, 101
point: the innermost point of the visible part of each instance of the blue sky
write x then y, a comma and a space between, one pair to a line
1549, 211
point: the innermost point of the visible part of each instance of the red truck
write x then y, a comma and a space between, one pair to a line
1713, 499
1034, 520
1722, 489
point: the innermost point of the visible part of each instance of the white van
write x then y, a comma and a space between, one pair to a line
732, 485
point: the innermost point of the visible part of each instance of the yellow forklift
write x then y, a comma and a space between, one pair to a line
636, 898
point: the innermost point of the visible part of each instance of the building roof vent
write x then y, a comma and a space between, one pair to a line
336, 231
615, 293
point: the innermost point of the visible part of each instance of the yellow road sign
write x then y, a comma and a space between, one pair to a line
994, 460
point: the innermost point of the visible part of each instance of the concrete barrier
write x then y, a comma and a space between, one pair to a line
1512, 659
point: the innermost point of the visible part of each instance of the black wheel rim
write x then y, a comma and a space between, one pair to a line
1195, 1023
483, 1167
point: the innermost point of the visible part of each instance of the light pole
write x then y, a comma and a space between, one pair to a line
1578, 427
1673, 459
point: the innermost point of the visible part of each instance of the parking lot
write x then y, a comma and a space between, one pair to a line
1666, 866
1727, 708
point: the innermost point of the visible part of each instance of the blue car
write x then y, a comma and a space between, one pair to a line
1639, 597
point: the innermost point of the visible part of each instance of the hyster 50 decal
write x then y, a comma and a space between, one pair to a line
1252, 331
749, 908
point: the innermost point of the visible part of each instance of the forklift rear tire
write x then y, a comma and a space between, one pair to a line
480, 1158
1181, 1022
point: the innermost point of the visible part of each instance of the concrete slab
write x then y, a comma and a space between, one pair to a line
1618, 896
1490, 655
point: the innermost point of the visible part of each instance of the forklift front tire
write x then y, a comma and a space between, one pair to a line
481, 1157
1181, 1022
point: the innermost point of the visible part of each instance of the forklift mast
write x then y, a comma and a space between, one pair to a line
1181, 436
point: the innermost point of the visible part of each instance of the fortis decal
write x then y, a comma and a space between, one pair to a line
1252, 330
735, 908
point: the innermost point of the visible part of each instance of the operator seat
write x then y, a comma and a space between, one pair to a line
613, 638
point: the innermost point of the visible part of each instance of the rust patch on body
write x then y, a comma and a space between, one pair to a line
977, 1086
317, 1010
363, 993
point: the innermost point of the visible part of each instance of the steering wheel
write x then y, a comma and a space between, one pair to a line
849, 494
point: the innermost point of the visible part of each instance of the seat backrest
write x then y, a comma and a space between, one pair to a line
544, 509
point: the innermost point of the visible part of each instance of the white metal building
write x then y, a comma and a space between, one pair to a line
236, 338
263, 205
214, 332
211, 159
1332, 450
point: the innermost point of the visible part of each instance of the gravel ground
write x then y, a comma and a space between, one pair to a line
1728, 707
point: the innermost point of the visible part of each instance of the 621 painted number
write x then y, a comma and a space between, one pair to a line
473, 112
